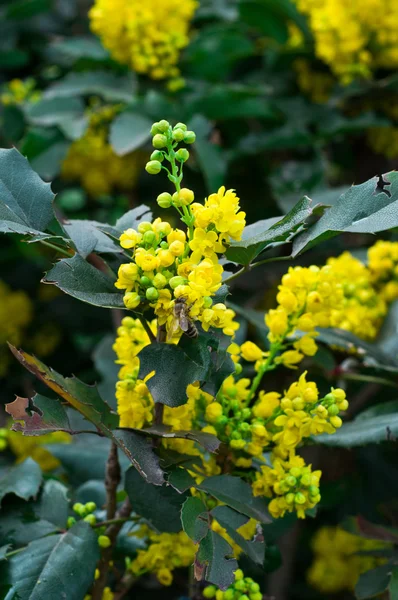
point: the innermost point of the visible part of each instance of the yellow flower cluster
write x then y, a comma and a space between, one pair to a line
383, 266
16, 312
337, 564
148, 36
18, 92
243, 588
92, 161
168, 267
35, 447
354, 38
315, 84
165, 552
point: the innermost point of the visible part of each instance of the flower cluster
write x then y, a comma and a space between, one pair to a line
243, 588
337, 563
354, 38
16, 312
165, 552
17, 92
172, 270
383, 266
92, 161
147, 36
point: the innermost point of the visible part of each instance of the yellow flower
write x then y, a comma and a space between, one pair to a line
127, 276
146, 260
266, 404
251, 352
204, 243
130, 238
213, 411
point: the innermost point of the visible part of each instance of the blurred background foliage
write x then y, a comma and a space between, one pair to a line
288, 98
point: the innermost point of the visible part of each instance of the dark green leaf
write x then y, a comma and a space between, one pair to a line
159, 505
53, 566
370, 207
214, 561
39, 415
25, 200
195, 519
210, 157
258, 236
53, 504
14, 123
109, 86
77, 47
231, 521
3, 551
104, 362
132, 218
373, 583
221, 102
393, 587
129, 131
88, 237
80, 279
139, 450
237, 494
268, 17
23, 9
21, 524
174, 371
48, 163
181, 480
23, 480
207, 440
55, 111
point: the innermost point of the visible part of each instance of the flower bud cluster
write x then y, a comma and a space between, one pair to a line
18, 92
383, 266
243, 588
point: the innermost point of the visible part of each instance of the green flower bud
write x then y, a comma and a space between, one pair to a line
229, 594
164, 200
246, 413
289, 498
291, 481
240, 585
164, 245
144, 226
254, 587
163, 126
91, 507
159, 281
238, 368
70, 522
333, 410
104, 541
207, 301
329, 399
178, 135
305, 480
244, 427
295, 471
79, 508
256, 596
189, 137
176, 281
299, 498
222, 421
145, 281
244, 597
152, 294
153, 167
209, 591
149, 238
91, 519
3, 432
155, 128
234, 404
157, 155
182, 155
159, 141
180, 126
235, 435
313, 490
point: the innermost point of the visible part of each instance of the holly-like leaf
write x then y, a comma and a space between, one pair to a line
370, 207
258, 236
80, 279
105, 84
373, 583
23, 480
129, 131
367, 428
25, 200
53, 503
53, 567
140, 452
174, 371
195, 519
214, 561
159, 505
39, 415
208, 441
88, 237
231, 521
238, 495
55, 111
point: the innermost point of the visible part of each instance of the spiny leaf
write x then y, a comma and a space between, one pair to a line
232, 521
140, 452
88, 237
40, 415
207, 440
214, 561
195, 519
24, 480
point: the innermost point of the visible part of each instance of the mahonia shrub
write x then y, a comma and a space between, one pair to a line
205, 433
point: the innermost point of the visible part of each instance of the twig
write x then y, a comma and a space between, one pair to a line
147, 328
251, 266
121, 520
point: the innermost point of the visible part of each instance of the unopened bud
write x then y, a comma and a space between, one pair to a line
159, 141
152, 294
189, 137
164, 200
153, 167
182, 155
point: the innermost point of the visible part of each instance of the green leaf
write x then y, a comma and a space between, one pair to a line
75, 48
53, 504
181, 480
370, 207
231, 521
39, 415
210, 157
88, 237
15, 123
104, 362
214, 561
105, 84
132, 218
195, 519
80, 279
207, 440
373, 583
21, 524
55, 111
365, 429
393, 588
48, 163
222, 102
3, 551
159, 505
258, 236
139, 450
271, 18
129, 131
174, 371
53, 566
82, 397
237, 494
23, 481
25, 200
